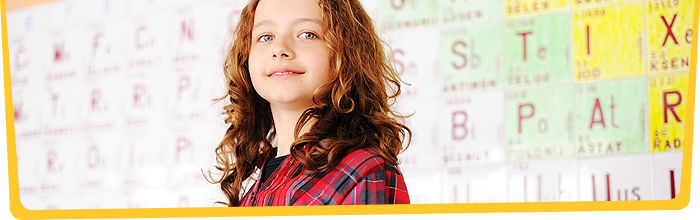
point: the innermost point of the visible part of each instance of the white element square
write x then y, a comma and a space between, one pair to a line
193, 30
61, 104
144, 198
623, 178
471, 128
142, 149
664, 165
424, 149
102, 100
106, 51
542, 181
415, 56
52, 171
98, 199
150, 40
104, 11
63, 15
456, 13
141, 7
97, 160
227, 14
28, 58
475, 184
424, 184
29, 20
67, 51
46, 201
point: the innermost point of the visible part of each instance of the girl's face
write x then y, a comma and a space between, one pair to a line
288, 59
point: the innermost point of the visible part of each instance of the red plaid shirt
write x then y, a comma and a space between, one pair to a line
360, 178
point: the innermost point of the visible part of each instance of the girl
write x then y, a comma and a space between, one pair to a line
309, 86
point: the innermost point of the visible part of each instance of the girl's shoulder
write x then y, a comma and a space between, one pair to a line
362, 162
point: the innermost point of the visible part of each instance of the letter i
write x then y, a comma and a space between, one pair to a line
673, 186
607, 179
593, 178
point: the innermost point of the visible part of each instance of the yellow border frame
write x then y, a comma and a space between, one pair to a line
19, 211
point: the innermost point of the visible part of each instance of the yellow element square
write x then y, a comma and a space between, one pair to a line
527, 7
578, 3
668, 95
608, 42
670, 34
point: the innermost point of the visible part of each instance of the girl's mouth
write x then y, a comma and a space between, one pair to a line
283, 72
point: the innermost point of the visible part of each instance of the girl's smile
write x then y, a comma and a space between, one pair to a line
283, 73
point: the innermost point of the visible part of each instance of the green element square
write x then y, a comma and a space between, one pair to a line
399, 14
611, 117
538, 123
468, 11
469, 57
538, 50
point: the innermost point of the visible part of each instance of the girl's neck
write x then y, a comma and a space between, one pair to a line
285, 123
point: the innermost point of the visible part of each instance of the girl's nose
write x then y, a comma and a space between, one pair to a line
282, 49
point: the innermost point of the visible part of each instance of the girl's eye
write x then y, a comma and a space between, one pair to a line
265, 38
307, 35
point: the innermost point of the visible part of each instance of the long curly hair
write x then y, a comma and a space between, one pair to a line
353, 111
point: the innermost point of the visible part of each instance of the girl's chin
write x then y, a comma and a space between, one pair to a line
290, 103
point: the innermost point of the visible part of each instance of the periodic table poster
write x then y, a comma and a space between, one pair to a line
512, 100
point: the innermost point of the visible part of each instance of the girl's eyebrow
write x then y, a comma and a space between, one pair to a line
295, 22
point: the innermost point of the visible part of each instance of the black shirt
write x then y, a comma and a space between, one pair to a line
271, 166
